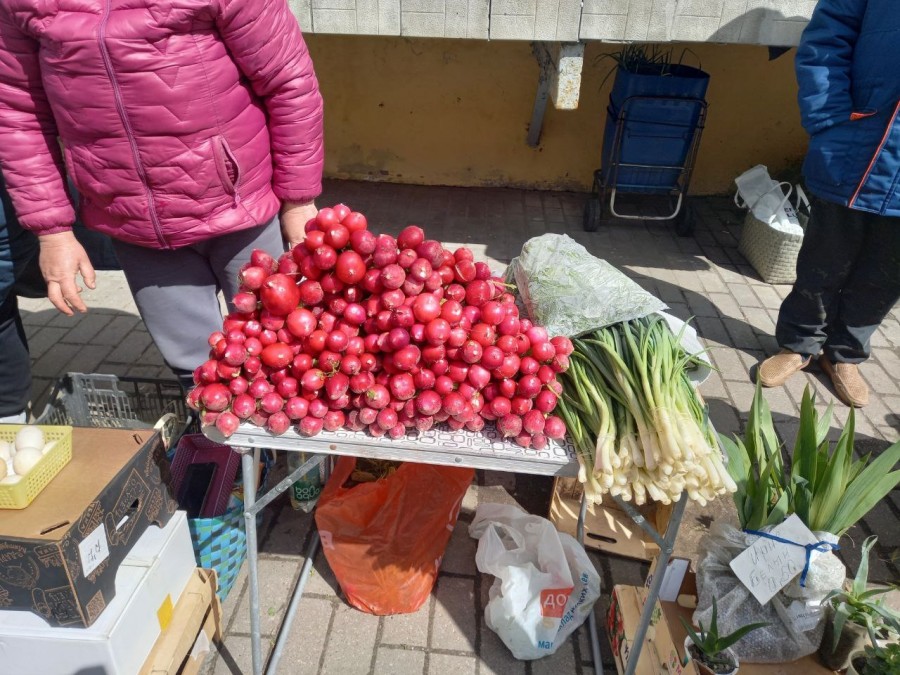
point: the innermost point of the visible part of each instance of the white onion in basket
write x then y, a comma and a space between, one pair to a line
25, 460
7, 450
29, 437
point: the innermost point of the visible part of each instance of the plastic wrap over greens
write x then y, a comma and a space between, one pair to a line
570, 292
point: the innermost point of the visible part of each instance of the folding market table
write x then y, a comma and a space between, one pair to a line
482, 450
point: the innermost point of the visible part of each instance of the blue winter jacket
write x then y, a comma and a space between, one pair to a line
848, 71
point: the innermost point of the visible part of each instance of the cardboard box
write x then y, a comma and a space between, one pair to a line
148, 586
607, 527
196, 624
59, 556
663, 652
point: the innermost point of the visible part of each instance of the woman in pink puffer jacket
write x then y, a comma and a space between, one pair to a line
187, 127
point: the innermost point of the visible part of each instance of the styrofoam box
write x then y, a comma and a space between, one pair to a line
159, 565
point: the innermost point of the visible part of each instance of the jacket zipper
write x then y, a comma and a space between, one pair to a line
881, 145
129, 132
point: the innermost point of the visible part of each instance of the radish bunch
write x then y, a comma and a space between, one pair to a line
363, 331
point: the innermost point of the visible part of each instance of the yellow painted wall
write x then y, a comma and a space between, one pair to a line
456, 112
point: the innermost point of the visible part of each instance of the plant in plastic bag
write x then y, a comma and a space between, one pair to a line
546, 585
569, 292
713, 647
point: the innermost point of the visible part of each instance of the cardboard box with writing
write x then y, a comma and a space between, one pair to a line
59, 556
607, 527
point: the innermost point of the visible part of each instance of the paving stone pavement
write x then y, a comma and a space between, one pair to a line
703, 277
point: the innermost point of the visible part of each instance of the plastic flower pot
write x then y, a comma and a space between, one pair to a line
858, 657
697, 657
837, 656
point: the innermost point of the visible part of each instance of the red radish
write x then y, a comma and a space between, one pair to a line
554, 428
402, 386
457, 337
336, 341
453, 403
509, 367
545, 401
215, 397
301, 322
500, 406
523, 439
350, 267
363, 242
475, 424
336, 386
522, 344
279, 294
542, 351
407, 358
520, 405
482, 271
424, 379
313, 380
426, 307
528, 366
432, 251
270, 322
259, 388
324, 257
509, 425
227, 423
392, 299
406, 258
287, 265
368, 415
329, 361
458, 371
386, 418
478, 292
337, 236
491, 357
314, 239
226, 372
277, 355
341, 211
428, 403
437, 331
288, 387
456, 292
510, 325
560, 363
235, 354
193, 397
243, 406
252, 277
421, 269
455, 424
412, 287
310, 426
350, 365
507, 388
361, 382
252, 365
463, 253
253, 328
539, 442
311, 292
315, 343
355, 314
271, 402
355, 222
377, 396
562, 345
493, 313
471, 352
392, 276
484, 334
440, 367
529, 386
208, 418
424, 424
318, 408
326, 218
238, 385
411, 237
296, 407
259, 419
479, 376
443, 385
333, 420
260, 258
464, 271
245, 302
533, 422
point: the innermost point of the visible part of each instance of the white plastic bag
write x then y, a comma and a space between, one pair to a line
546, 585
796, 617
767, 199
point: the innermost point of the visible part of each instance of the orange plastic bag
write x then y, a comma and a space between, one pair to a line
384, 540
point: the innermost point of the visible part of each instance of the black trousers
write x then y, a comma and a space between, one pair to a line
848, 279
15, 363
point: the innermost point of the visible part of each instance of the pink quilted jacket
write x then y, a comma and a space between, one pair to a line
180, 119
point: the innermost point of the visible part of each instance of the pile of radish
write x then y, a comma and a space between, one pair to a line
363, 331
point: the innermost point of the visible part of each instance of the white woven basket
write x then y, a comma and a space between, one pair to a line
772, 253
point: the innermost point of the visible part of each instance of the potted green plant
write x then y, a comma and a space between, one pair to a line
712, 652
854, 614
875, 660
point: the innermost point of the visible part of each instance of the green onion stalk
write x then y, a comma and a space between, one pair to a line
638, 424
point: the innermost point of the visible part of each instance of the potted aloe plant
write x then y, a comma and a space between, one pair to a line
854, 614
711, 651
875, 660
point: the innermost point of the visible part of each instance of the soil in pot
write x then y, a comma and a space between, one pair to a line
853, 638
711, 669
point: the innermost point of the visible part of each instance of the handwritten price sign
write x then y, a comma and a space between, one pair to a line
93, 549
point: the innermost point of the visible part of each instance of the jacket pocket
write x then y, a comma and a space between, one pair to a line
227, 166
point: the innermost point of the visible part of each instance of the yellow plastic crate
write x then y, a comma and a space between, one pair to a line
21, 494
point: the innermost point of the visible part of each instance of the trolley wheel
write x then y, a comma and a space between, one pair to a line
684, 221
592, 211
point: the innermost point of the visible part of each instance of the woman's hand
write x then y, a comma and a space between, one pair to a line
294, 216
61, 259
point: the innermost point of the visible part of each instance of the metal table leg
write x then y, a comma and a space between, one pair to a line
666, 546
592, 617
249, 463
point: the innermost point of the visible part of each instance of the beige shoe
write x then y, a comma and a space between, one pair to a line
775, 370
849, 385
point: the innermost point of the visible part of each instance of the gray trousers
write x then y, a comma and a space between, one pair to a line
176, 292
848, 279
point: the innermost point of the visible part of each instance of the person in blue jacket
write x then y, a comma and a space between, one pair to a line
18, 248
848, 269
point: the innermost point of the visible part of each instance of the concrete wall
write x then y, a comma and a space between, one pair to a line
767, 22
456, 112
